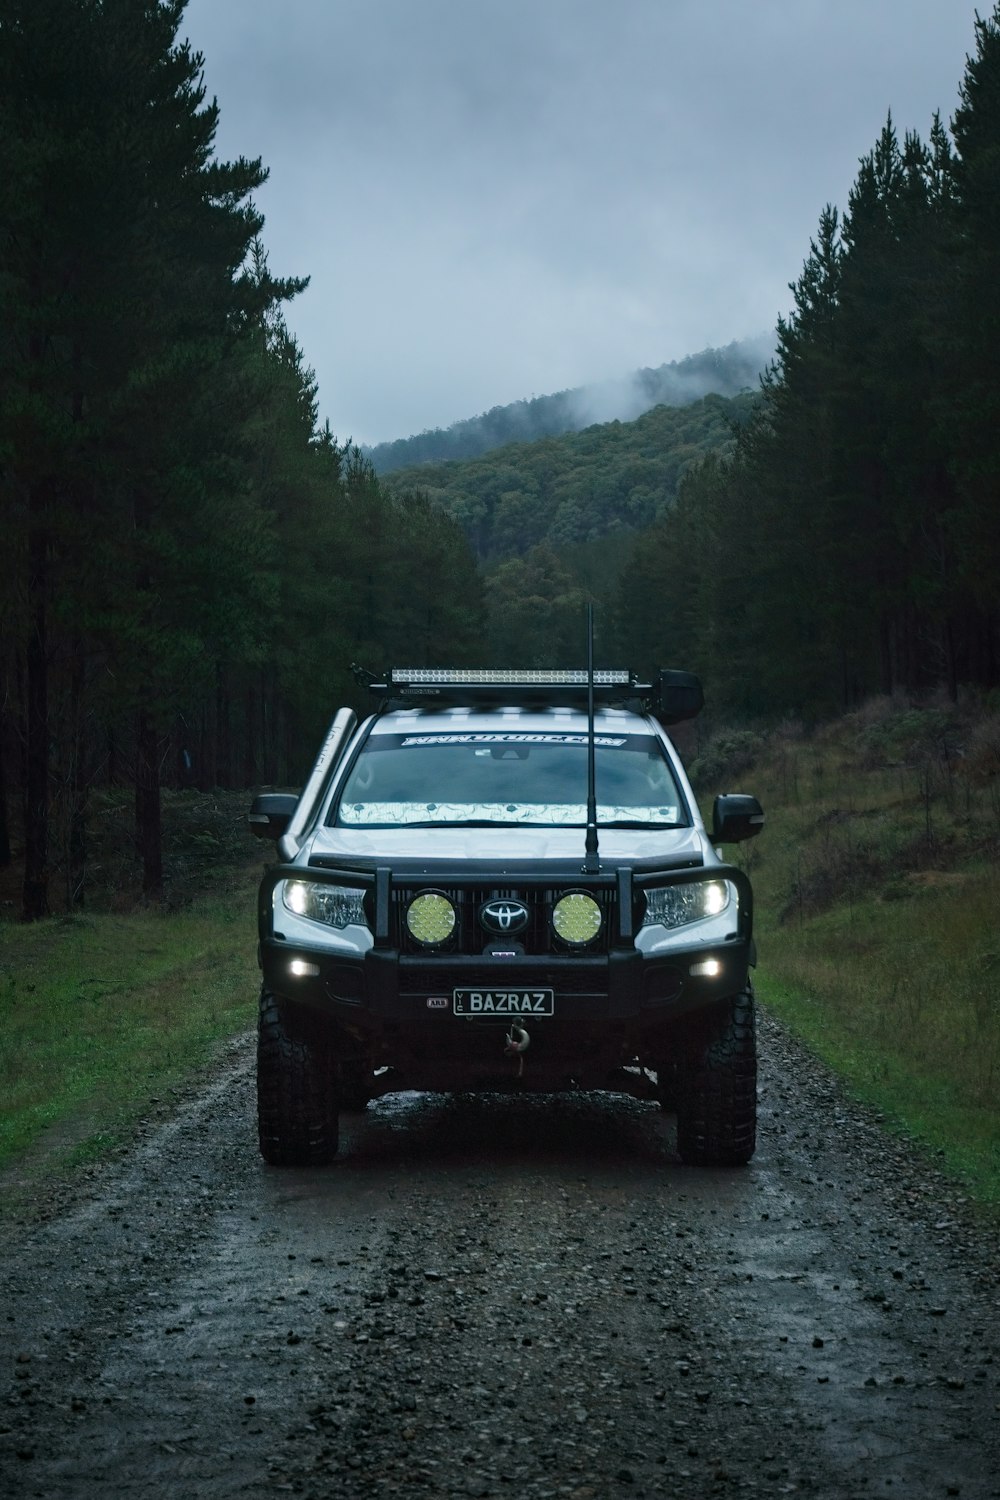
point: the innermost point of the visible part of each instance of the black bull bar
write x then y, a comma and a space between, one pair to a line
624, 883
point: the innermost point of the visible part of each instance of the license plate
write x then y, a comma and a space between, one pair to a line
504, 1002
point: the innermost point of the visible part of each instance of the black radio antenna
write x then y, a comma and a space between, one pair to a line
590, 845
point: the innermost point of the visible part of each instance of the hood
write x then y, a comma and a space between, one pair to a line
617, 846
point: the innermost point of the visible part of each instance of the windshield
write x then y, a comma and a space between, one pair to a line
483, 777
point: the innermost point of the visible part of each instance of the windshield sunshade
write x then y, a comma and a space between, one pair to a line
507, 777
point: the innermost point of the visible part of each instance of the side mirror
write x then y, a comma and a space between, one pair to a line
271, 814
736, 817
680, 696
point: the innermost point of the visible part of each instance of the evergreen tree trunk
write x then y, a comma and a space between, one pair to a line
251, 753
148, 826
951, 663
183, 755
223, 736
268, 738
207, 752
5, 849
78, 785
111, 756
35, 894
887, 680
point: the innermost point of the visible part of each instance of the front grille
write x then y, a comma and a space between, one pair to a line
471, 937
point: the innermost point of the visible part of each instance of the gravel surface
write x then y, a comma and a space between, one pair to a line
503, 1297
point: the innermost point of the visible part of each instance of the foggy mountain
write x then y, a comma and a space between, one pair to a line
723, 372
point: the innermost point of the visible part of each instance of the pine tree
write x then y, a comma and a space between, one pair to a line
123, 388
975, 409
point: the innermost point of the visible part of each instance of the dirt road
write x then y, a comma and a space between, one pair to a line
503, 1297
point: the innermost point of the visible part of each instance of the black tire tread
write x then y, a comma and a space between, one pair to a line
297, 1105
717, 1089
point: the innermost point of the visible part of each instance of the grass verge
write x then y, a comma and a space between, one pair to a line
877, 882
101, 1013
923, 1105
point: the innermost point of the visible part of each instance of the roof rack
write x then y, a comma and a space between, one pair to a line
672, 695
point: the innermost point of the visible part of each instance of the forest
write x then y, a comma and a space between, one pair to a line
722, 372
618, 477
553, 523
193, 561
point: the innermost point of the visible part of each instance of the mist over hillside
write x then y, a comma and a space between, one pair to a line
723, 372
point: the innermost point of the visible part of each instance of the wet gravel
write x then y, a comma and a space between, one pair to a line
503, 1297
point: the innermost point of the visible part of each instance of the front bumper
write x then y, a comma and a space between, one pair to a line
386, 986
396, 1007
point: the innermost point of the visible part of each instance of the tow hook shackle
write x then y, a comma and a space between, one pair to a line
518, 1042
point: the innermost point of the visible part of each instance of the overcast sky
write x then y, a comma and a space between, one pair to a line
504, 198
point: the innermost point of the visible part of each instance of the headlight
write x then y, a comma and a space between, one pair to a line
676, 905
577, 918
430, 919
336, 905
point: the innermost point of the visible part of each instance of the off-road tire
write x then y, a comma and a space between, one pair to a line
717, 1087
666, 1085
354, 1093
297, 1104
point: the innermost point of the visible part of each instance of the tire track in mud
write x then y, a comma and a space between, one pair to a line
504, 1296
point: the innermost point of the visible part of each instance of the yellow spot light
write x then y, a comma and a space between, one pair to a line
577, 918
430, 919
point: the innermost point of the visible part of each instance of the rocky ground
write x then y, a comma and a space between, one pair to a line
502, 1297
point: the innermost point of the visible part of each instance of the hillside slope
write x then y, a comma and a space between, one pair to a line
723, 372
580, 487
876, 881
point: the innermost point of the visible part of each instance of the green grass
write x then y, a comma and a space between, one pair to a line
920, 1102
877, 882
101, 1013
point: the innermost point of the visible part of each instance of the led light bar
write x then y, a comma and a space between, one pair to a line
671, 696
467, 677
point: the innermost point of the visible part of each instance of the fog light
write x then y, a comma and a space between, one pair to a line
710, 968
302, 970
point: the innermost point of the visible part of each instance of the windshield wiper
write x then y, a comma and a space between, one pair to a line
639, 823
472, 823
452, 823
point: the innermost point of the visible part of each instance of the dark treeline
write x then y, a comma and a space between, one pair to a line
851, 544
723, 372
190, 563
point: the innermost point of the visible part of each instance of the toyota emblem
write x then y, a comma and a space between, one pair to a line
503, 916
